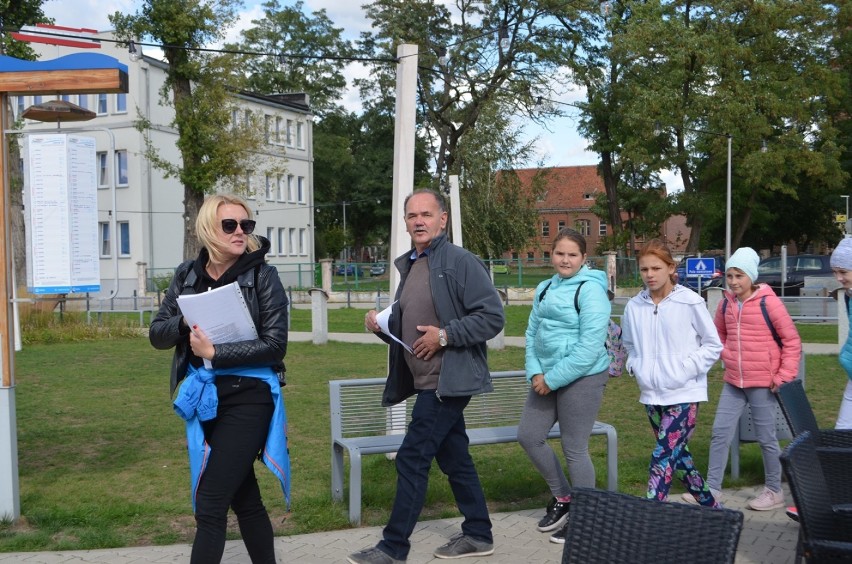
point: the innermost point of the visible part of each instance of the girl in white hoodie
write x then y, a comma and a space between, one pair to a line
671, 344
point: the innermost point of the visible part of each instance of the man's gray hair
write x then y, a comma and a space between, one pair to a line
437, 195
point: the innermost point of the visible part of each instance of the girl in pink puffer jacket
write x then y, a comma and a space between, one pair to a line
762, 351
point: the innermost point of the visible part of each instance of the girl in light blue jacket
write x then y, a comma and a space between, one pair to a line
567, 367
671, 344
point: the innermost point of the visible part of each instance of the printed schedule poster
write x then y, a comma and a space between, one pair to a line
61, 211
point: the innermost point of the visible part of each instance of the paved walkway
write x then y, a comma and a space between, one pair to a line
767, 537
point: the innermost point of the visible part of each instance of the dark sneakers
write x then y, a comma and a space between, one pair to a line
557, 515
462, 546
559, 536
372, 555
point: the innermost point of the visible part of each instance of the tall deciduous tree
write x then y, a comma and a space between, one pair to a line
307, 54
697, 72
498, 214
476, 54
198, 87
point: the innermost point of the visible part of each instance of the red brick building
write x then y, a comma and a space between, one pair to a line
566, 202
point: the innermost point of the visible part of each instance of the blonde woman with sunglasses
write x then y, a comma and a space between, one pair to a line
234, 410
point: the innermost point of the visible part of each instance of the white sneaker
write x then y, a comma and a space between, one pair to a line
689, 498
767, 500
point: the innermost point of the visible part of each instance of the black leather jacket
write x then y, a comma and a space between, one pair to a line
267, 303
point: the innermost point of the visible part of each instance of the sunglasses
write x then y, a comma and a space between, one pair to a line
230, 225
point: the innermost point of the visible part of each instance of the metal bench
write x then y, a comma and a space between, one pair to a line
360, 426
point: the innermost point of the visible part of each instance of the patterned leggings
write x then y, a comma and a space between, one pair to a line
673, 425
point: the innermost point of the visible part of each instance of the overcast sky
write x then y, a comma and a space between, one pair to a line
561, 146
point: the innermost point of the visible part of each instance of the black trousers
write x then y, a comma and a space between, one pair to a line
235, 436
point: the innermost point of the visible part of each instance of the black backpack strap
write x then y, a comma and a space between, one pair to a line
577, 297
769, 322
544, 291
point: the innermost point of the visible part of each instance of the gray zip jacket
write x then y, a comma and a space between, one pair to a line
469, 310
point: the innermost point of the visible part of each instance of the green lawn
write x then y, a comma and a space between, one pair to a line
102, 457
351, 320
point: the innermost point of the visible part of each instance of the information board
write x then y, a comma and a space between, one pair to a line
61, 214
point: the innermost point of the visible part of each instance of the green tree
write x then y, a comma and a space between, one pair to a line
312, 55
199, 87
498, 213
15, 14
482, 53
757, 72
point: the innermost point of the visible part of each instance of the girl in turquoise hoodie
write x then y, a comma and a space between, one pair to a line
841, 265
567, 367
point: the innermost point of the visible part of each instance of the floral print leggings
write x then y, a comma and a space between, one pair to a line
673, 425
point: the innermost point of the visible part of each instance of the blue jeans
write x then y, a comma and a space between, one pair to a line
437, 432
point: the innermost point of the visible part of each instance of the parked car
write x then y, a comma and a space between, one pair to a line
378, 269
713, 281
350, 270
798, 266
500, 267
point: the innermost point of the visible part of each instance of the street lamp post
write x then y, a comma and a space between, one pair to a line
728, 205
658, 130
846, 223
345, 247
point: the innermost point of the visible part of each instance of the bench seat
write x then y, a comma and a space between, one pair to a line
360, 426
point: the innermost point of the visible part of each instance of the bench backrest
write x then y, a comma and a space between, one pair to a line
356, 409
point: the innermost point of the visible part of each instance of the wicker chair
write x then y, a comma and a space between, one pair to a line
825, 534
800, 417
610, 527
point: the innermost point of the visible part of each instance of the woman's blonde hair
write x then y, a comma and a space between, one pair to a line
207, 225
658, 249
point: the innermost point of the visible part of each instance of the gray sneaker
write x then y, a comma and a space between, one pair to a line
372, 555
461, 546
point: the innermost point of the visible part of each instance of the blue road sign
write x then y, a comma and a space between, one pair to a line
700, 266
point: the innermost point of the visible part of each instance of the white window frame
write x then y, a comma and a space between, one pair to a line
290, 188
270, 234
292, 241
303, 241
121, 100
282, 241
105, 245
103, 169
270, 189
545, 228
83, 101
123, 228
102, 104
300, 134
267, 128
282, 195
290, 133
300, 189
119, 181
602, 229
583, 227
250, 194
278, 122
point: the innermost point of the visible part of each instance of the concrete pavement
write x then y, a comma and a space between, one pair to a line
767, 537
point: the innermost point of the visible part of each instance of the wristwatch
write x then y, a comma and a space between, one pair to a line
442, 338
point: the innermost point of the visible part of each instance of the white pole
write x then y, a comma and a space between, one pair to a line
403, 182
403, 152
728, 206
455, 210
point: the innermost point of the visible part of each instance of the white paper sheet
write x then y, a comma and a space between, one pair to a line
221, 313
383, 318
